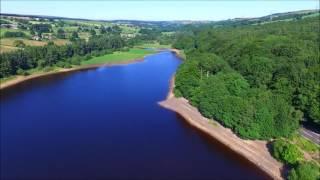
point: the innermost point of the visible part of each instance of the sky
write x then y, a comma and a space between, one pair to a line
155, 10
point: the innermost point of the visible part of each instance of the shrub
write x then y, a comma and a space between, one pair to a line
60, 64
305, 144
126, 49
286, 152
305, 171
76, 60
42, 63
67, 65
19, 43
47, 69
87, 57
14, 34
22, 72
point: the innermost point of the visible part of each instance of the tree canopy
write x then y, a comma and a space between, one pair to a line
51, 54
259, 80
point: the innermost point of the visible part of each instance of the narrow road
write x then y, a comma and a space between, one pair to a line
312, 136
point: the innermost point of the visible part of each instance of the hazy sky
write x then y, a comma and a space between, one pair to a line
155, 10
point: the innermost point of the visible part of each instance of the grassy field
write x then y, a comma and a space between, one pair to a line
4, 30
84, 35
10, 41
60, 42
7, 44
4, 48
120, 56
155, 45
132, 54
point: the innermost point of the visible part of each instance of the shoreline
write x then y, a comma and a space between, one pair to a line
21, 79
177, 52
255, 151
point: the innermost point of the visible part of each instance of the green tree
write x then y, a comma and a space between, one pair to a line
19, 43
93, 32
102, 30
286, 152
61, 34
74, 36
305, 171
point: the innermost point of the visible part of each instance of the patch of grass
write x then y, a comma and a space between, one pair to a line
60, 42
70, 28
311, 15
4, 30
7, 44
213, 122
129, 29
155, 45
10, 42
4, 48
83, 35
305, 144
120, 56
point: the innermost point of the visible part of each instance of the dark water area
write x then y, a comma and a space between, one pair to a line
105, 123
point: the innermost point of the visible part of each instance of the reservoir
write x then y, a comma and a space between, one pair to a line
105, 123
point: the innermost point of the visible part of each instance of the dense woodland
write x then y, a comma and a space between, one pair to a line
17, 62
259, 80
107, 41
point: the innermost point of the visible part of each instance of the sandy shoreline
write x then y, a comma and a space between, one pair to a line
177, 52
254, 151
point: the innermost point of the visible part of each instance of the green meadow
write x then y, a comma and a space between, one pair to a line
119, 56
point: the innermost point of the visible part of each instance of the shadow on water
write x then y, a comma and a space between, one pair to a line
37, 82
215, 145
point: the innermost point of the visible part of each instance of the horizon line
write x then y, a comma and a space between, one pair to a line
76, 18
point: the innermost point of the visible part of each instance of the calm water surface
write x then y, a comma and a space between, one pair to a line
106, 124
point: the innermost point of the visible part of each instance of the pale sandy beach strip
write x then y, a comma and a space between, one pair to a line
254, 151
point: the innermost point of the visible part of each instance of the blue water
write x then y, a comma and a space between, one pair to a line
106, 124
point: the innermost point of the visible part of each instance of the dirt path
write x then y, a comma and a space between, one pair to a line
255, 151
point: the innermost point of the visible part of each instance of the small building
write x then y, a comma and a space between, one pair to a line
46, 36
36, 37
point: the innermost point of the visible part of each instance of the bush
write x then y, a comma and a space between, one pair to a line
67, 65
63, 64
94, 53
19, 43
22, 72
50, 43
305, 171
47, 69
286, 152
14, 34
305, 144
126, 49
87, 57
76, 60
41, 63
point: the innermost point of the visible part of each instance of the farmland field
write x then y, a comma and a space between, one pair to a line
132, 54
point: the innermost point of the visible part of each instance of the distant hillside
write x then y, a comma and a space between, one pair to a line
287, 16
